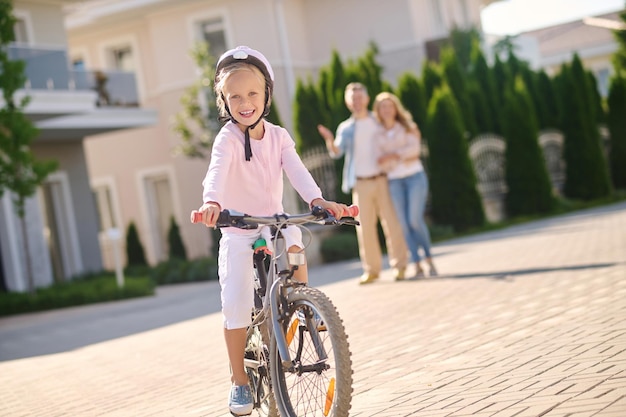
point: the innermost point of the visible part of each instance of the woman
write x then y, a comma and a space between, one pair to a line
399, 147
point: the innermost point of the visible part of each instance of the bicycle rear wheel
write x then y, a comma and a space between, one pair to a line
256, 362
319, 380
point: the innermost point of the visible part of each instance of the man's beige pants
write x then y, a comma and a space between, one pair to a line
374, 201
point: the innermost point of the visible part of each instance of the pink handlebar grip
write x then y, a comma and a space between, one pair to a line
352, 211
196, 217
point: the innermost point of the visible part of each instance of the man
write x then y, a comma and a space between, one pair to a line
356, 139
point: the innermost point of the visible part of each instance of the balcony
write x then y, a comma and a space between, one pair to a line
47, 69
70, 104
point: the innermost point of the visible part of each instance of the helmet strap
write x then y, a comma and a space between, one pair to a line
246, 134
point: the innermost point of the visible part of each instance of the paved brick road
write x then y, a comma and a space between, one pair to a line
528, 321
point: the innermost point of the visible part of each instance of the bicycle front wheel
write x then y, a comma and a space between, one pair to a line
318, 382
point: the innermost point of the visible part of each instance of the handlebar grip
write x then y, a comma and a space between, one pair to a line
196, 217
352, 211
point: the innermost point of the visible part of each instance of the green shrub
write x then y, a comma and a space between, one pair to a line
80, 291
171, 271
176, 246
176, 270
203, 269
339, 247
135, 255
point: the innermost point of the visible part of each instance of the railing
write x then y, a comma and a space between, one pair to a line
48, 69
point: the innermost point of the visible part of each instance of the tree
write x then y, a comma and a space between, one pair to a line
619, 58
135, 255
307, 114
455, 78
617, 128
431, 79
587, 176
545, 87
176, 247
529, 188
196, 123
411, 93
486, 85
455, 200
21, 173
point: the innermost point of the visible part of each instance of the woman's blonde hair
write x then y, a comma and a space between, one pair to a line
220, 80
402, 114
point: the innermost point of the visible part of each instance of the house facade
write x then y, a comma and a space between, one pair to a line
591, 38
134, 174
63, 225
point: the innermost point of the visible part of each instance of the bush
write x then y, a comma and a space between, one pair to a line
135, 254
176, 270
80, 291
176, 245
339, 247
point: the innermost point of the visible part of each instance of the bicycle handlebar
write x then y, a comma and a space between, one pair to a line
232, 218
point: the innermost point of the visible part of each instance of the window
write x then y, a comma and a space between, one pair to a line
122, 58
161, 210
212, 31
602, 77
104, 203
19, 30
438, 15
78, 64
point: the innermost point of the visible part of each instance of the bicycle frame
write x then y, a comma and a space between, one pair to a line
286, 310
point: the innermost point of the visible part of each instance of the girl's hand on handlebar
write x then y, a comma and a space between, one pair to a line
338, 210
210, 212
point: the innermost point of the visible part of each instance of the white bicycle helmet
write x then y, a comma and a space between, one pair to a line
253, 57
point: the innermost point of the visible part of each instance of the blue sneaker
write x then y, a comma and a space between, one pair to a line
240, 401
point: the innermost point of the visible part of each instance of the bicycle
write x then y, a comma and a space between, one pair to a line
297, 354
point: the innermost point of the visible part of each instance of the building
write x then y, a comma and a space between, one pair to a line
135, 175
63, 225
591, 38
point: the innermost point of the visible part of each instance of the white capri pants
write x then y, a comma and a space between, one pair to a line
235, 271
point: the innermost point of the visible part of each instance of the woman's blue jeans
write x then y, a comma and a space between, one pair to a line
409, 196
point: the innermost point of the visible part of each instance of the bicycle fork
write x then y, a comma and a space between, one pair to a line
278, 306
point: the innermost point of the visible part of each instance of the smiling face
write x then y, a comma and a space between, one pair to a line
386, 111
244, 94
357, 101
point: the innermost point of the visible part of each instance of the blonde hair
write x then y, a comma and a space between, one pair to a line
222, 77
403, 116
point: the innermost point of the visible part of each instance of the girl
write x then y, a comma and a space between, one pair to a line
245, 174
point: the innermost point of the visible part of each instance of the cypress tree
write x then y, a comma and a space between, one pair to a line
463, 43
486, 84
455, 200
369, 72
274, 116
135, 255
307, 114
455, 78
596, 99
431, 79
176, 247
501, 76
545, 87
619, 58
617, 128
587, 175
411, 93
529, 188
479, 102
